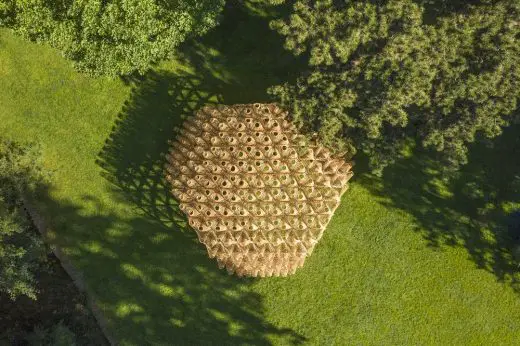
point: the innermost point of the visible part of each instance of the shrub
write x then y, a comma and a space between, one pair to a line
21, 249
58, 335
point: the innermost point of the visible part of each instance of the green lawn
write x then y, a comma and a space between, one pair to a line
407, 259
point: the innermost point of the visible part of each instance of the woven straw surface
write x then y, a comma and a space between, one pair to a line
257, 195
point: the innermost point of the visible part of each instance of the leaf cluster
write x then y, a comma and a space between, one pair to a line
21, 250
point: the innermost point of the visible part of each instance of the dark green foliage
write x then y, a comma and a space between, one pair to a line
268, 2
58, 335
20, 249
115, 37
383, 72
58, 317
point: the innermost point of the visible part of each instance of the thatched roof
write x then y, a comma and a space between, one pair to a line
257, 195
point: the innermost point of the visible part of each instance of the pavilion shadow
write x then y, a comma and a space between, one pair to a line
215, 307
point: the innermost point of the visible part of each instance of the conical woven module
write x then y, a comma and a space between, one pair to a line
258, 196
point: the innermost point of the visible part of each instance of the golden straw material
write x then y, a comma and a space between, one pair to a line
258, 196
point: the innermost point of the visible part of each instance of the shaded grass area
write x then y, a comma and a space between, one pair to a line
472, 209
373, 279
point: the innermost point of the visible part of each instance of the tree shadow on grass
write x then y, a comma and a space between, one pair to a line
154, 284
471, 209
243, 54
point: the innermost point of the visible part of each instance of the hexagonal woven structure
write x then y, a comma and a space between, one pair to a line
257, 195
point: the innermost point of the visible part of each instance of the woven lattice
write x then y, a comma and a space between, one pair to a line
257, 195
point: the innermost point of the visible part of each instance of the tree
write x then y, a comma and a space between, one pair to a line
20, 248
114, 37
382, 72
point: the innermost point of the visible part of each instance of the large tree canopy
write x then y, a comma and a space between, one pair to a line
114, 37
384, 71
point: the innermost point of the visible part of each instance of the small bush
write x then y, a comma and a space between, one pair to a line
58, 335
21, 250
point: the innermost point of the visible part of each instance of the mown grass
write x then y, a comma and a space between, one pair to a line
407, 258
